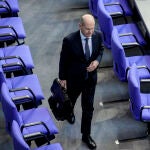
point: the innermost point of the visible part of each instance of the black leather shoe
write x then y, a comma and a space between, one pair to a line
87, 139
71, 118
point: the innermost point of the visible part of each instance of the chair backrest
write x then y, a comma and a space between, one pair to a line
9, 108
134, 92
2, 76
9, 8
18, 140
93, 7
136, 89
2, 79
105, 23
120, 63
20, 144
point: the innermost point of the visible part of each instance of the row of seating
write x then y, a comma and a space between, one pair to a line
123, 35
20, 89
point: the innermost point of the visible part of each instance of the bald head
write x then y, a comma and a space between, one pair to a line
87, 25
86, 19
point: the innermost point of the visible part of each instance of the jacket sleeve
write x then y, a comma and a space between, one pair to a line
101, 47
64, 59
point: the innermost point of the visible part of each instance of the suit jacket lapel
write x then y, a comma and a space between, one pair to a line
79, 46
93, 44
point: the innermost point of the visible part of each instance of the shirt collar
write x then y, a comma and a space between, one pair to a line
83, 37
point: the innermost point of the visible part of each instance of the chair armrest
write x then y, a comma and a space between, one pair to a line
126, 45
7, 5
8, 9
138, 67
14, 64
34, 124
129, 34
115, 3
145, 80
11, 27
11, 57
36, 135
12, 35
111, 4
126, 34
25, 88
141, 67
144, 107
20, 99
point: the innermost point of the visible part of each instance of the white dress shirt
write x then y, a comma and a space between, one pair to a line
83, 42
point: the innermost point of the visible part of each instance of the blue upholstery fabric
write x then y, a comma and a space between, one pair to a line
20, 144
16, 23
21, 51
121, 62
36, 115
110, 9
106, 25
26, 116
55, 146
11, 5
30, 81
117, 8
137, 98
93, 7
17, 137
130, 28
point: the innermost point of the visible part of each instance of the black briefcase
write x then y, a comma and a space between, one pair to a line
59, 101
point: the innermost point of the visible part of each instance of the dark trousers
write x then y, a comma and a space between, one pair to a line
87, 92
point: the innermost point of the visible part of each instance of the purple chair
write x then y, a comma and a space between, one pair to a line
139, 92
9, 8
116, 8
24, 89
122, 63
93, 7
19, 141
36, 121
129, 33
16, 58
12, 29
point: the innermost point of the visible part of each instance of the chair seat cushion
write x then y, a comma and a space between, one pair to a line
30, 81
116, 8
36, 115
145, 100
22, 51
130, 28
139, 61
16, 23
55, 146
13, 4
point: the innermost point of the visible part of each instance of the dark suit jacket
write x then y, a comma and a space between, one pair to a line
72, 65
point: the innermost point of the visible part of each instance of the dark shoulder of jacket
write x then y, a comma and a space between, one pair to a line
98, 34
72, 35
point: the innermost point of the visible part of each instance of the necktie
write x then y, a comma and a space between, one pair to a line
87, 49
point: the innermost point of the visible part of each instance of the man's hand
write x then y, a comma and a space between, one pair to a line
63, 83
93, 65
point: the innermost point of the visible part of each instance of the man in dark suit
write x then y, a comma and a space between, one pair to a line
79, 59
